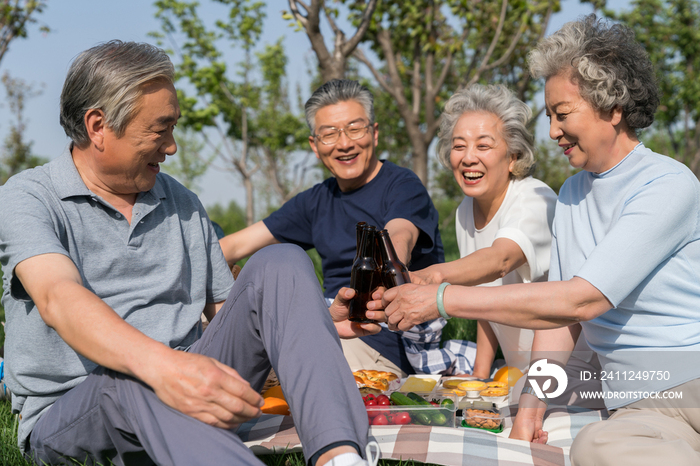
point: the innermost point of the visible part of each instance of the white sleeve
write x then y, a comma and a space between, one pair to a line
528, 222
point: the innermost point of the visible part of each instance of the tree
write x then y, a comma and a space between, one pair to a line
332, 65
16, 152
424, 51
189, 163
670, 32
423, 48
15, 16
252, 118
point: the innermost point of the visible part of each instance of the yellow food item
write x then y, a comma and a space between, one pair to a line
274, 392
274, 405
508, 374
496, 384
472, 385
452, 383
482, 418
415, 384
452, 391
494, 392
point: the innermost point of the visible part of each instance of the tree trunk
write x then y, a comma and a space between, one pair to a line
249, 200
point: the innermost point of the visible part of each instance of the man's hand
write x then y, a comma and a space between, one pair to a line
425, 277
528, 422
408, 305
205, 389
340, 310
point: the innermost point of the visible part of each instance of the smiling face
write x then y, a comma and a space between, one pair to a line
588, 138
479, 159
352, 162
129, 164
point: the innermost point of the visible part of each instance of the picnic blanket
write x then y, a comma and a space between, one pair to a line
271, 434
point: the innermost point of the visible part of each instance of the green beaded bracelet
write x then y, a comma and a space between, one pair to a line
440, 303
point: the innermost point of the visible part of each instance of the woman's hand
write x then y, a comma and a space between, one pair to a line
340, 310
528, 422
408, 305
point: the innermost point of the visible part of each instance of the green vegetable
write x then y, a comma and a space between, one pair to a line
400, 399
447, 403
436, 417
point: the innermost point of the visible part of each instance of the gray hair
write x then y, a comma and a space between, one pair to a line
498, 100
609, 66
335, 91
110, 77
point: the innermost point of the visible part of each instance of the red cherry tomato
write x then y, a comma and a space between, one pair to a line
372, 411
380, 420
383, 398
401, 418
434, 403
371, 402
369, 396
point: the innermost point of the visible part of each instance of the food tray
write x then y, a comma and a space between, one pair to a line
443, 416
480, 416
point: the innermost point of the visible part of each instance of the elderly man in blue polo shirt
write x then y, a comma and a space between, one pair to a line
108, 265
344, 137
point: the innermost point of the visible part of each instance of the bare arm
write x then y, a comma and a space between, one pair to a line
246, 242
486, 346
211, 309
193, 384
482, 266
529, 305
404, 236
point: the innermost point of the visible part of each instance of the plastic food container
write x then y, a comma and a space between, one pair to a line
444, 415
483, 418
422, 383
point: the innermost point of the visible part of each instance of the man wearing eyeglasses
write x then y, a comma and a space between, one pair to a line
344, 137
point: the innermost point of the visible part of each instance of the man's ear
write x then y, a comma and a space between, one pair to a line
312, 143
375, 133
95, 125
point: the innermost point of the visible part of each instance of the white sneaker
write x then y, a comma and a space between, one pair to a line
4, 391
371, 459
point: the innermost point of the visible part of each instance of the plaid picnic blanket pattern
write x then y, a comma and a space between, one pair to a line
271, 434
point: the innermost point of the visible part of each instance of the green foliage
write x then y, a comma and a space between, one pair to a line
15, 16
552, 166
427, 49
253, 116
16, 152
188, 164
670, 33
230, 218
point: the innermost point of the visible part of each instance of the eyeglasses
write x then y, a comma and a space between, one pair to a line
353, 131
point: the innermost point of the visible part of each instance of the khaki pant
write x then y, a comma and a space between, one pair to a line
362, 356
648, 432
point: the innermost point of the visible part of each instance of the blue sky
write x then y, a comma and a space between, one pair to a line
43, 59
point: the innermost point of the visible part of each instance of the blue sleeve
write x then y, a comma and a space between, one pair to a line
291, 223
655, 222
408, 199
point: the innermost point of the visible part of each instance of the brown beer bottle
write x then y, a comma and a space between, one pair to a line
394, 272
363, 276
358, 229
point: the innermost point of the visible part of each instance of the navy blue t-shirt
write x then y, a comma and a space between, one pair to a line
324, 217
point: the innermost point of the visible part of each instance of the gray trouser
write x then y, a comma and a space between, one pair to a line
275, 316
